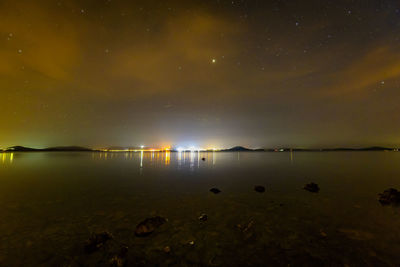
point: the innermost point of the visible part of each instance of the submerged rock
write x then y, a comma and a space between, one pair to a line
119, 260
215, 190
312, 187
167, 249
246, 229
149, 225
203, 217
322, 233
96, 241
203, 159
389, 197
356, 234
259, 188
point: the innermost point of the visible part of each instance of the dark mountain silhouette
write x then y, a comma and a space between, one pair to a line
67, 148
374, 148
49, 149
237, 148
21, 148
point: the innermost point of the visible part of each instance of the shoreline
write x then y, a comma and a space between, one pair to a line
206, 151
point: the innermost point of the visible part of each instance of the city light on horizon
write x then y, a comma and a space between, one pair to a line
164, 149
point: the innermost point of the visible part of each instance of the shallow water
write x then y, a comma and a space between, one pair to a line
50, 204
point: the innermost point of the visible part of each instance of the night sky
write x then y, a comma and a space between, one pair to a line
203, 73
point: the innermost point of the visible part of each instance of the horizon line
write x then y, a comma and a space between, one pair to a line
19, 148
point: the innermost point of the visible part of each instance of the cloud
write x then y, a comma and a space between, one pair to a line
37, 40
378, 64
179, 55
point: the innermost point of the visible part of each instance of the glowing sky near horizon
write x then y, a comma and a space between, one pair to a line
199, 73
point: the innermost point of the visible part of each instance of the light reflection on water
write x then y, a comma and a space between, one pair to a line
189, 159
7, 158
167, 157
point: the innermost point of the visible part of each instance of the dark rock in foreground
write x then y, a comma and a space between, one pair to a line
259, 188
203, 159
312, 187
203, 217
96, 241
389, 197
149, 225
215, 190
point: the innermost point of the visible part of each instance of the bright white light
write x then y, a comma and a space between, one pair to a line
141, 147
190, 148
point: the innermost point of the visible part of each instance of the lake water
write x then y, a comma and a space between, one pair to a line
50, 204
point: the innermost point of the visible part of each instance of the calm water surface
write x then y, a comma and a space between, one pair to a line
50, 203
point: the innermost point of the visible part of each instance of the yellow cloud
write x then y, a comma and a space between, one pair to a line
181, 53
379, 64
38, 40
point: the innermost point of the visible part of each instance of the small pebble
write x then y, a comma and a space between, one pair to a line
312, 187
323, 234
259, 188
215, 190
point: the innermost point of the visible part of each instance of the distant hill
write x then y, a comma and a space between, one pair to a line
21, 148
67, 148
49, 149
240, 148
375, 148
